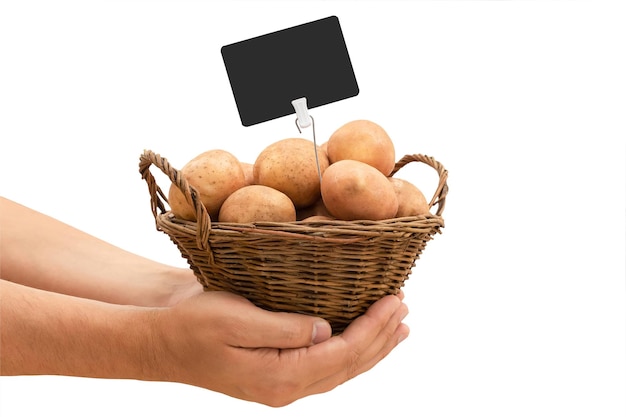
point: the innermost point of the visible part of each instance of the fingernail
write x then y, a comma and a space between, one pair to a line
321, 331
402, 338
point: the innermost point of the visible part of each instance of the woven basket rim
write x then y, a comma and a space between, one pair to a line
325, 230
204, 224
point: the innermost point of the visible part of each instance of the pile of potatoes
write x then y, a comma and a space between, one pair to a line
284, 184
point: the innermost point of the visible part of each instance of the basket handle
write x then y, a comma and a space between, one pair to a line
157, 197
441, 192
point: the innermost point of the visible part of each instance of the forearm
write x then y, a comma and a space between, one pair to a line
215, 340
41, 252
54, 334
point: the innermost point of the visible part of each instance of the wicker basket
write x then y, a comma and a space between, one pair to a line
331, 269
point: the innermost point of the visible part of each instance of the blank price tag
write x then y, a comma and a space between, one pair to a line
267, 72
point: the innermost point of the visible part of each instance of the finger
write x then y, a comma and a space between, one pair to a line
290, 330
337, 379
393, 333
324, 366
388, 339
387, 318
341, 356
254, 327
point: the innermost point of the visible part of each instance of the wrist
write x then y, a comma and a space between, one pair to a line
179, 285
148, 352
184, 342
160, 286
163, 333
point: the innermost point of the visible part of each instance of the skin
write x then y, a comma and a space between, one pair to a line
365, 141
72, 304
290, 166
354, 190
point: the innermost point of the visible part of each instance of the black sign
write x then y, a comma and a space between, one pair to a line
267, 72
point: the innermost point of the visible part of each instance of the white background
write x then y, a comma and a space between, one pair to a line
517, 309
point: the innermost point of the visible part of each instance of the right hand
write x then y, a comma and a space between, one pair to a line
223, 342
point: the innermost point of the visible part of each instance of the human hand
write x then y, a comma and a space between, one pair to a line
177, 286
224, 343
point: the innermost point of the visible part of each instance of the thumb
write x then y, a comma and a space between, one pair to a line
285, 330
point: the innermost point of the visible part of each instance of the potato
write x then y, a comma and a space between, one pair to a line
248, 170
317, 218
365, 141
316, 209
289, 165
179, 206
354, 190
411, 200
215, 174
324, 147
256, 203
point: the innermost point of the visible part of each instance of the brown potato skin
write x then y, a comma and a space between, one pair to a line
318, 218
316, 209
215, 174
354, 190
289, 165
257, 203
365, 141
411, 200
248, 171
178, 205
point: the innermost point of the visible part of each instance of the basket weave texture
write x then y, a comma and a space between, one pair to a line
331, 269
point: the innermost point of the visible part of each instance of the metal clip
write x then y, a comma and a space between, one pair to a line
302, 113
303, 119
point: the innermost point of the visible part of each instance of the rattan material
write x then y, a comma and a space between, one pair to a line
332, 269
